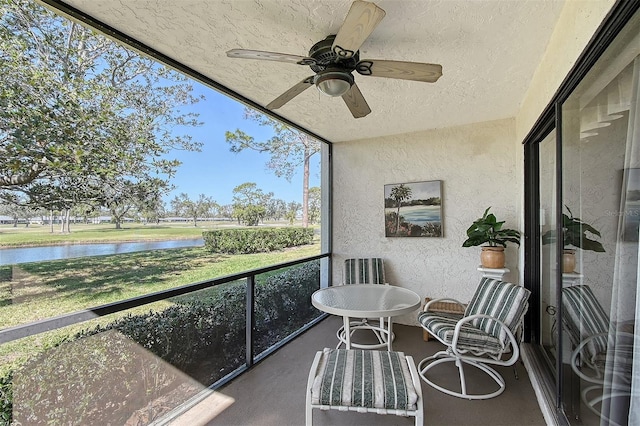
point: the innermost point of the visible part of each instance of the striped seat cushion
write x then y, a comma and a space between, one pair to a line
584, 317
470, 339
364, 271
360, 378
502, 300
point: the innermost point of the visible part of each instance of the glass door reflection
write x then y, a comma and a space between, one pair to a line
548, 296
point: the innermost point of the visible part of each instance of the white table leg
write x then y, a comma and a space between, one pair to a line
389, 338
347, 332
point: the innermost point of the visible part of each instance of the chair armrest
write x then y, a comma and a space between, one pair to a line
312, 375
578, 352
444, 299
598, 378
515, 353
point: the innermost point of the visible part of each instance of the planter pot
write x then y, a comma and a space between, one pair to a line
492, 257
568, 261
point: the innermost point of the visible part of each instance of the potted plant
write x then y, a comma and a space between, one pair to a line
488, 230
574, 235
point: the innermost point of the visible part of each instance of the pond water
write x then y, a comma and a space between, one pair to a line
419, 215
11, 256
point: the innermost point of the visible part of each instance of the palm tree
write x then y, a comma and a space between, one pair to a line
400, 193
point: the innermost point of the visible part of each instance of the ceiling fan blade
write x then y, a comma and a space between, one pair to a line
270, 56
290, 94
416, 71
355, 102
362, 19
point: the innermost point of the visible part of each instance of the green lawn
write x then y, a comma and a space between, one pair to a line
88, 233
34, 291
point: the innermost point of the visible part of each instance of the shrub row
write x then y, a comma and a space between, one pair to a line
202, 334
6, 398
255, 240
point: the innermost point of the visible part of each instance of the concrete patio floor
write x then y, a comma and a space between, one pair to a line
272, 393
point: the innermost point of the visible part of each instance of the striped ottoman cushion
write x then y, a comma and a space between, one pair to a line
360, 378
471, 338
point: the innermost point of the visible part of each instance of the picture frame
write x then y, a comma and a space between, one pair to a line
413, 209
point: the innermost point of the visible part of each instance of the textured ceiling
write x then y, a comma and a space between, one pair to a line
489, 51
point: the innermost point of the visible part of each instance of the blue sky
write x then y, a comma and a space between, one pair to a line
216, 171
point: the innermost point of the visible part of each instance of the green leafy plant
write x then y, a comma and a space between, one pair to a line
489, 231
574, 234
244, 241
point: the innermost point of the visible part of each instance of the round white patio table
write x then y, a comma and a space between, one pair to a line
366, 301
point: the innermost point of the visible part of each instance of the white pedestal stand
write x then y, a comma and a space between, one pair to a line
570, 279
496, 274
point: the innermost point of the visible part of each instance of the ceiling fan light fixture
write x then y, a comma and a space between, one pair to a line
333, 83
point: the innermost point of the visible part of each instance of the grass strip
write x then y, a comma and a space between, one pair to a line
33, 291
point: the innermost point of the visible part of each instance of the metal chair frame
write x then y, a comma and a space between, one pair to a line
479, 356
474, 359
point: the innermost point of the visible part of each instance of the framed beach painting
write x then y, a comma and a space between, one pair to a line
413, 209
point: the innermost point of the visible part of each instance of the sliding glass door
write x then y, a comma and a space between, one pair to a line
600, 142
582, 221
588, 195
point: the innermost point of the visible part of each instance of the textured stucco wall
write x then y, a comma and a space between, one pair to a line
578, 21
478, 165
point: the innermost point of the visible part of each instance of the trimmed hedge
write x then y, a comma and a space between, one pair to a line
255, 240
202, 334
6, 398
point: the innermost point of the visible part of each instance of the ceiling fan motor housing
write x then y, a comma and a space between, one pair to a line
326, 57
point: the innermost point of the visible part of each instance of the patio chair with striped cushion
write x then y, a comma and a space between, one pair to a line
364, 271
482, 335
592, 338
365, 381
584, 318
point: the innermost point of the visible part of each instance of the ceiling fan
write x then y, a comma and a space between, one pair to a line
336, 57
